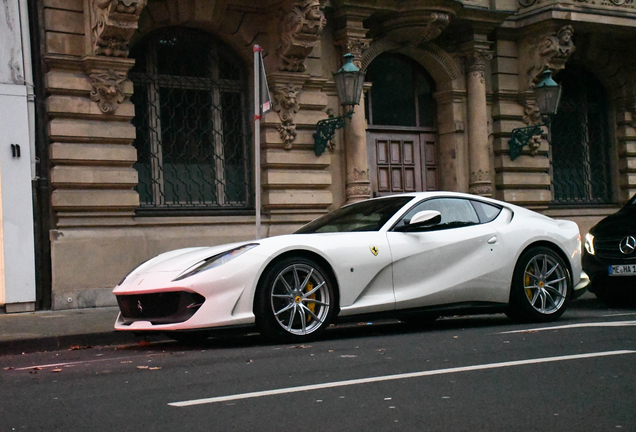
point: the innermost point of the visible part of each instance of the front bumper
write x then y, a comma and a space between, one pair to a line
159, 308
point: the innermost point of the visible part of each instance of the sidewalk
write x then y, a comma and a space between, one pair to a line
64, 329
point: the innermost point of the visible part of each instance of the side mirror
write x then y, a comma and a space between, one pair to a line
423, 219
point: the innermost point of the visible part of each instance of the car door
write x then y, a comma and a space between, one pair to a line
459, 260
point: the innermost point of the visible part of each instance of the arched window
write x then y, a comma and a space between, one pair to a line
191, 120
402, 93
580, 141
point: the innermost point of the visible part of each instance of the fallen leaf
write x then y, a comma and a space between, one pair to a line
37, 368
154, 368
250, 361
127, 361
142, 367
144, 343
56, 370
8, 368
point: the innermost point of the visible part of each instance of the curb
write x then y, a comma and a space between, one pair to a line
67, 342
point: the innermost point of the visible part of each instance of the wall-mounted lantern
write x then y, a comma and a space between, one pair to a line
548, 95
349, 81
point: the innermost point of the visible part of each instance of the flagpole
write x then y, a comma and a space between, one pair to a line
257, 140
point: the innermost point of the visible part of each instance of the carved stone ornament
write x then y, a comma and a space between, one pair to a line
532, 115
286, 104
476, 63
300, 32
354, 46
360, 174
358, 191
618, 3
436, 23
113, 23
107, 90
551, 52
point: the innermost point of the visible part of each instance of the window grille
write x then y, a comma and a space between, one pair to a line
191, 123
580, 141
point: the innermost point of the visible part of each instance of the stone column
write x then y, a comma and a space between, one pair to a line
351, 39
358, 186
478, 146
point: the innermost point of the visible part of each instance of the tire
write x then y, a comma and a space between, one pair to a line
295, 301
541, 286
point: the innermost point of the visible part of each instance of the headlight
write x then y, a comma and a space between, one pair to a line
215, 261
589, 243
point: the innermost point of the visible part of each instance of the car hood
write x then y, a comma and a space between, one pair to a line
181, 259
621, 223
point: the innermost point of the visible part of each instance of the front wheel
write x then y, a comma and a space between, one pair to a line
541, 286
295, 301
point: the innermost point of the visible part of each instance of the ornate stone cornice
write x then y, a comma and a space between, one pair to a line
113, 23
549, 52
285, 98
300, 30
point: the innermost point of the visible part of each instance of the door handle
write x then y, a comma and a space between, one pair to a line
492, 240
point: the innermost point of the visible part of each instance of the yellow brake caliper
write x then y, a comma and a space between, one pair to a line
527, 283
311, 305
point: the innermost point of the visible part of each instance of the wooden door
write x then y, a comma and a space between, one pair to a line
402, 162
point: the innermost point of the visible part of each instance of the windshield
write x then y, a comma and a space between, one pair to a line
368, 215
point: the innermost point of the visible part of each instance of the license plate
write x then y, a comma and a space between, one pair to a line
622, 270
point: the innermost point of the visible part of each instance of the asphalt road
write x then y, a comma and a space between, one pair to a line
478, 373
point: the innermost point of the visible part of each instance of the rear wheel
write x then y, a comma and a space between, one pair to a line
295, 301
541, 286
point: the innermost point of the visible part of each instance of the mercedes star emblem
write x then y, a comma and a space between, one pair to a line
627, 245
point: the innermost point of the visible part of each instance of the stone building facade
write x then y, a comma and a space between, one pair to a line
147, 122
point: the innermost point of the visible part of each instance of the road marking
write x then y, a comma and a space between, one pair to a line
392, 377
568, 326
80, 362
619, 314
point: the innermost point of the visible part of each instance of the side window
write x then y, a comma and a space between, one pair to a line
456, 212
487, 212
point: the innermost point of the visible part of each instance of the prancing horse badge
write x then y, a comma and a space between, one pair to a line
374, 250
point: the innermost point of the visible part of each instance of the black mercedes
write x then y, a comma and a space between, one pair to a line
609, 257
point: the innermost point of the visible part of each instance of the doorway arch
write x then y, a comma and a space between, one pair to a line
401, 113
